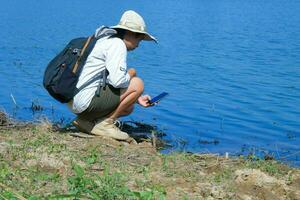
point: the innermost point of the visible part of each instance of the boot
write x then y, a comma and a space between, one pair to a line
107, 128
83, 125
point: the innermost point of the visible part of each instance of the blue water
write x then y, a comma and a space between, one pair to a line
232, 68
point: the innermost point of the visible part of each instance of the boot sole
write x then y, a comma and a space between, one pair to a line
82, 135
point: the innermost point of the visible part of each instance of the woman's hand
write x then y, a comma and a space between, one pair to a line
144, 100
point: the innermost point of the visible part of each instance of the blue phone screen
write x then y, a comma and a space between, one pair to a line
158, 98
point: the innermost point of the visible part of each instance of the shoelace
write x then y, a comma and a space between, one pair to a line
118, 124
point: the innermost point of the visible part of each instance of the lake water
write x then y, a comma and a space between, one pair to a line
232, 68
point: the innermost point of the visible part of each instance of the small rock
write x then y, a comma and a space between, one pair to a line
217, 192
3, 119
255, 177
256, 184
47, 162
4, 147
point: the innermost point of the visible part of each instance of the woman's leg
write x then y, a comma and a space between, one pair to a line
128, 111
105, 126
128, 98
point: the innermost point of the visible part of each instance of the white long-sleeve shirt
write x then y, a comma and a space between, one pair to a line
109, 53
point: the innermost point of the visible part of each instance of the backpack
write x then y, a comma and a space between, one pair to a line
63, 71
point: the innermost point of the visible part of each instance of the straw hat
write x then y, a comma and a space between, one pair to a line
132, 21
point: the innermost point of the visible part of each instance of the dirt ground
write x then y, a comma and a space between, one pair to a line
39, 163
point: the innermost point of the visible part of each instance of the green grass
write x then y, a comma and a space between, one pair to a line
272, 167
39, 164
107, 186
223, 175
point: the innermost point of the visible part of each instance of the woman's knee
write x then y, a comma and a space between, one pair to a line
136, 87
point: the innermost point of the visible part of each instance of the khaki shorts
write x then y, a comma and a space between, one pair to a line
103, 105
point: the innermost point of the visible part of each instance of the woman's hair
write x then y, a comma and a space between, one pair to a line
120, 33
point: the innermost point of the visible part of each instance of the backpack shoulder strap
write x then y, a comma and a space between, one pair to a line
81, 53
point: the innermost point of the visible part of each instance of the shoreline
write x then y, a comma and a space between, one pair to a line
37, 162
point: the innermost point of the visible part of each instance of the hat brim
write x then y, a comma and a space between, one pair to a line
147, 37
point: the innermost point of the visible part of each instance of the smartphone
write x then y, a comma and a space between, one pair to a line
158, 98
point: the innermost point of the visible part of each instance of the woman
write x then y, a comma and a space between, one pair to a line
97, 114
